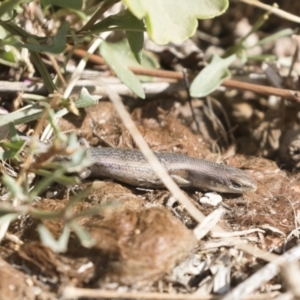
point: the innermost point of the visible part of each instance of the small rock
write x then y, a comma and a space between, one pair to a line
210, 199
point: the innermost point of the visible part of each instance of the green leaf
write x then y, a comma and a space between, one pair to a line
44, 214
33, 112
7, 210
66, 180
136, 43
113, 55
8, 5
85, 99
273, 37
13, 29
5, 220
60, 245
148, 59
262, 57
11, 149
39, 64
72, 4
211, 77
174, 20
24, 115
8, 58
124, 20
58, 45
45, 182
85, 238
14, 188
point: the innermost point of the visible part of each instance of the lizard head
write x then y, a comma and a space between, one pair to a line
225, 179
234, 181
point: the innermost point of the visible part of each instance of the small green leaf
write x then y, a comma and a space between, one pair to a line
273, 37
9, 5
58, 45
211, 77
263, 57
14, 29
24, 115
39, 64
136, 43
14, 188
33, 112
113, 53
85, 99
78, 197
45, 182
60, 245
44, 214
11, 149
8, 58
5, 220
124, 20
71, 4
134, 27
66, 180
85, 238
13, 133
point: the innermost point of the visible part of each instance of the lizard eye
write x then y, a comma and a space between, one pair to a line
236, 184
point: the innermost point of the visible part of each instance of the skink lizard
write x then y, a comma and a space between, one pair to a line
130, 166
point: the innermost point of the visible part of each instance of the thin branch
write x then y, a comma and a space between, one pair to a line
153, 161
275, 10
71, 292
233, 84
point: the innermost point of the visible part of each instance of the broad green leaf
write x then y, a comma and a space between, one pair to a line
72, 4
174, 21
211, 77
124, 20
148, 59
113, 55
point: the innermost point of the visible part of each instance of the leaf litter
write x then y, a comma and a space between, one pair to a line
146, 246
